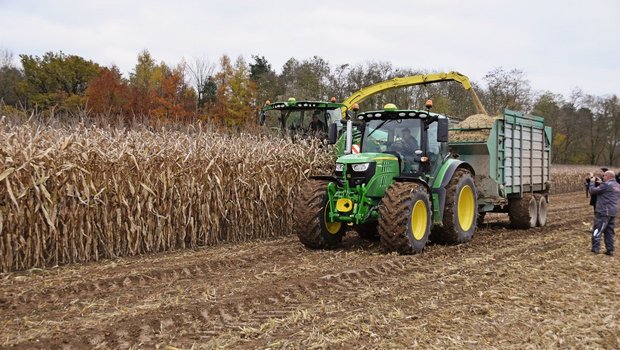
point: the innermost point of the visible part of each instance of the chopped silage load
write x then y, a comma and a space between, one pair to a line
479, 126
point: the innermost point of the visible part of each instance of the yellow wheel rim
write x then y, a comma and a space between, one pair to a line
332, 227
419, 220
466, 208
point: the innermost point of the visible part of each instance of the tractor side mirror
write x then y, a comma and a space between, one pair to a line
442, 130
332, 137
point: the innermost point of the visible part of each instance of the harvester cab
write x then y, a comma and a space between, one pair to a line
301, 118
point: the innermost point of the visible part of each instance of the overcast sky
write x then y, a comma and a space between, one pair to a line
559, 45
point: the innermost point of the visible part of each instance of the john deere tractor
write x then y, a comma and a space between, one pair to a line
395, 188
296, 118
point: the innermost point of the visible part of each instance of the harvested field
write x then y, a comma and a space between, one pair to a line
506, 289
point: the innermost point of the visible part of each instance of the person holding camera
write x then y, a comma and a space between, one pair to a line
606, 207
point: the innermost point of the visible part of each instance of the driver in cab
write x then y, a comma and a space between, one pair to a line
406, 146
410, 144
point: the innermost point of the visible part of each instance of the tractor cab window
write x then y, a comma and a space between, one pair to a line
434, 147
397, 136
294, 120
310, 121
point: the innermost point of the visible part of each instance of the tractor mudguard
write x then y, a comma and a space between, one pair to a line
329, 178
441, 182
413, 179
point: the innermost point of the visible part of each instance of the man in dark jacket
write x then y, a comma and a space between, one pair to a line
607, 196
596, 180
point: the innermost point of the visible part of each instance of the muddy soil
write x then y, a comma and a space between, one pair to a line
506, 289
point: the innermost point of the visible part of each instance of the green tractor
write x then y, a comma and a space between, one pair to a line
408, 183
301, 118
395, 188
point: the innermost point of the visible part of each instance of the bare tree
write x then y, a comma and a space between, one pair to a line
200, 69
6, 58
506, 90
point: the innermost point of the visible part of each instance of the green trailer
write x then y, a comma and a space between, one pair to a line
511, 155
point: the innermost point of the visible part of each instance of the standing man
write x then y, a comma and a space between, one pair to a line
607, 196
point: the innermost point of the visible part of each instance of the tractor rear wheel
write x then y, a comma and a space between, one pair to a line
368, 230
542, 210
460, 214
312, 218
405, 218
523, 212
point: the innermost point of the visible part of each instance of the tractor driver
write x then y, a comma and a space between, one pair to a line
316, 125
409, 142
406, 147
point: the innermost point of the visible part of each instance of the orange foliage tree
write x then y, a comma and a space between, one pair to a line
175, 99
159, 91
107, 92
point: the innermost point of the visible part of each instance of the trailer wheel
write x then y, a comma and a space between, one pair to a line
523, 212
311, 215
405, 218
460, 215
368, 230
542, 210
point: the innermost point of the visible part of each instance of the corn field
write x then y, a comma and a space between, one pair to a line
78, 194
570, 178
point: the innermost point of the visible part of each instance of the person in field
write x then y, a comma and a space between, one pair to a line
607, 196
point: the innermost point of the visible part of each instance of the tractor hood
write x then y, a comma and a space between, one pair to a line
365, 158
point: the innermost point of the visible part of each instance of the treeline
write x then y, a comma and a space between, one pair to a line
228, 94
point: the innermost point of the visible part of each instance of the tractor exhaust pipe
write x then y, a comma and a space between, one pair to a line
349, 143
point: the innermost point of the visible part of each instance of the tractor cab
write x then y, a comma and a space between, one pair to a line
416, 138
301, 118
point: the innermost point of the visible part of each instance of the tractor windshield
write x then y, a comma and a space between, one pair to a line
309, 120
399, 136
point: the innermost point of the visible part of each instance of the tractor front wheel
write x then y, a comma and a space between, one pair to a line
405, 218
460, 214
313, 226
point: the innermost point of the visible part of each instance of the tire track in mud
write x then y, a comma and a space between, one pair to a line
282, 297
237, 313
48, 296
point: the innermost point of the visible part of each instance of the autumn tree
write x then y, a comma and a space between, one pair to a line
57, 79
268, 86
174, 100
610, 113
143, 83
236, 97
107, 92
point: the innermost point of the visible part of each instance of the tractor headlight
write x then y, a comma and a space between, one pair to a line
360, 167
339, 167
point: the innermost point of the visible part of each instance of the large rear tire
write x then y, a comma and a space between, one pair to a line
460, 214
311, 216
523, 212
541, 220
405, 218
